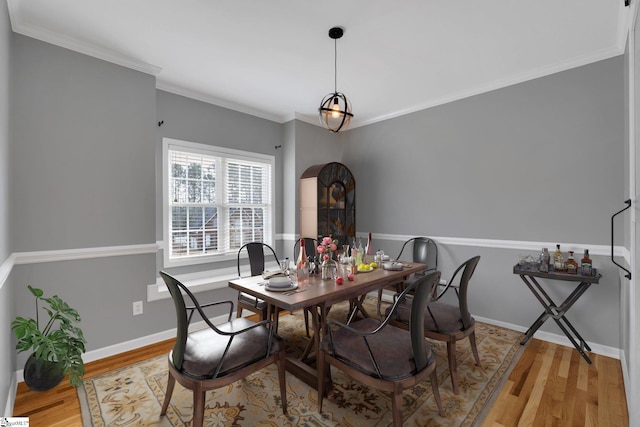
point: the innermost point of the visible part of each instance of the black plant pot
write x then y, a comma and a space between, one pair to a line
41, 375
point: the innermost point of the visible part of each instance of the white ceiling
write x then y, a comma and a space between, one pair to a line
274, 59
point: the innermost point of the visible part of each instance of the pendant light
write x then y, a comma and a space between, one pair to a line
335, 108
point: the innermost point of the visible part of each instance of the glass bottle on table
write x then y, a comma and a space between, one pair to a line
570, 264
558, 259
586, 266
360, 254
302, 264
370, 253
544, 260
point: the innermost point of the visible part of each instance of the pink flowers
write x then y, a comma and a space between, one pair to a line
326, 247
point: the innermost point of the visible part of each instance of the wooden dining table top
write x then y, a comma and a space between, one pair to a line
315, 291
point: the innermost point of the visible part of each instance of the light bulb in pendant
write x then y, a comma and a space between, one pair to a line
335, 110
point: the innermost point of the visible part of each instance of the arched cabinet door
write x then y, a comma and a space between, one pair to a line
328, 202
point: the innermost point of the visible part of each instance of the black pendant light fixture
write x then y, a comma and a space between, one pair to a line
335, 108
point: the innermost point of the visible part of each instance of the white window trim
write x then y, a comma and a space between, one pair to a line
210, 150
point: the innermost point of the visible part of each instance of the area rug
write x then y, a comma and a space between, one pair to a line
133, 395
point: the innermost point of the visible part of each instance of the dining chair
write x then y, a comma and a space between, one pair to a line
381, 355
256, 254
216, 356
311, 249
424, 251
451, 323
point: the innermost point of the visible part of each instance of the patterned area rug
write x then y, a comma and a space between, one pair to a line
133, 396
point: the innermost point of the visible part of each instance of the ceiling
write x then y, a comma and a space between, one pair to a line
274, 59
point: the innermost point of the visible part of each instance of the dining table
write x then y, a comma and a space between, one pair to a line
318, 296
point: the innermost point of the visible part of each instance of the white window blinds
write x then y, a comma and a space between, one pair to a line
217, 201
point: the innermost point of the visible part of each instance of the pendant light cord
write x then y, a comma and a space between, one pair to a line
335, 65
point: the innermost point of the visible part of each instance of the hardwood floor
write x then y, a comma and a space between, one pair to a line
551, 385
59, 406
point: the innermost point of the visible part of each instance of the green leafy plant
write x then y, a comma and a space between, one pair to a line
59, 341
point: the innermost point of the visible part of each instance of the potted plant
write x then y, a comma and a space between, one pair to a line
56, 348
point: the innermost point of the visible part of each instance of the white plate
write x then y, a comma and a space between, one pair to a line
279, 282
291, 287
392, 266
366, 271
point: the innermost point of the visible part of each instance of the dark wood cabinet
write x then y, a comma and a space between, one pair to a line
328, 202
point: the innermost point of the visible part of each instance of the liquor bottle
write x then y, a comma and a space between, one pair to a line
571, 264
302, 265
586, 264
544, 260
558, 260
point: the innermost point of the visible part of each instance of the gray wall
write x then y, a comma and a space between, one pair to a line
83, 176
540, 161
7, 354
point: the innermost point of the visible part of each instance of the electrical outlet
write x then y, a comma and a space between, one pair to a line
137, 308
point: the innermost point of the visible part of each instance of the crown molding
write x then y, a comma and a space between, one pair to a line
73, 44
501, 83
200, 96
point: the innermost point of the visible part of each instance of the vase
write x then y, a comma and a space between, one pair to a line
324, 270
41, 375
329, 269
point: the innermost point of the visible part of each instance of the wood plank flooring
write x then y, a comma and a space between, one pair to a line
551, 385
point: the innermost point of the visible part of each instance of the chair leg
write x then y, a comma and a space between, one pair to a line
276, 318
453, 370
474, 348
198, 407
171, 382
396, 405
282, 366
436, 392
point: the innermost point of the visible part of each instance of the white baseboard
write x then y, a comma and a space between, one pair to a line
11, 396
602, 350
627, 383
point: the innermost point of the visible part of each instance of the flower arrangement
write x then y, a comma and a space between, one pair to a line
327, 247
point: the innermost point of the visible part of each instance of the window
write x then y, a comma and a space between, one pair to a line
215, 201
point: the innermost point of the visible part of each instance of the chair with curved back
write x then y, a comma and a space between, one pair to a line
256, 254
451, 323
217, 356
424, 251
381, 355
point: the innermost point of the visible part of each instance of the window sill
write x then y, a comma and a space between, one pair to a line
196, 282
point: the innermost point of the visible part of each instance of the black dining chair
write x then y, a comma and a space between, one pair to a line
218, 355
381, 355
424, 251
257, 259
451, 323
